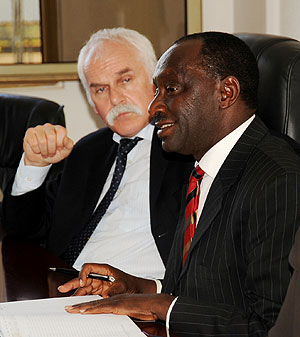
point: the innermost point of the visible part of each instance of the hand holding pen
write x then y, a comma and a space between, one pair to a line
75, 273
123, 283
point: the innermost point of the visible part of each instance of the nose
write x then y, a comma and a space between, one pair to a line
155, 109
116, 96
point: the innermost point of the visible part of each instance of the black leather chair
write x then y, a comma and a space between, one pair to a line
17, 114
278, 59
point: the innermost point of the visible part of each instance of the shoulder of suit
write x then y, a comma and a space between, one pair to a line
101, 136
96, 142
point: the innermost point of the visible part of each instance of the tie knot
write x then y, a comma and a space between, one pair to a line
127, 144
197, 173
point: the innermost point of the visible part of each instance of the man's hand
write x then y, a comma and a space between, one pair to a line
46, 144
140, 306
124, 283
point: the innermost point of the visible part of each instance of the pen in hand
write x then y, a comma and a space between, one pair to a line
75, 273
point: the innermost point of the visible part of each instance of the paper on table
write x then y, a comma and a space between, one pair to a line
47, 317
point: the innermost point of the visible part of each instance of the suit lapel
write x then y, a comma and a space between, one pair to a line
227, 176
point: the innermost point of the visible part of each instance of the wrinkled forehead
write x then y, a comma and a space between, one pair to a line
179, 58
107, 48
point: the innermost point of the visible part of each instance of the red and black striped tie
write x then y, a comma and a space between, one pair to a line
191, 209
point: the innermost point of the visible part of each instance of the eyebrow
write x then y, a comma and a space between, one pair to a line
120, 73
124, 71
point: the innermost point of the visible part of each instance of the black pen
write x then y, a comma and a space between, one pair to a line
75, 273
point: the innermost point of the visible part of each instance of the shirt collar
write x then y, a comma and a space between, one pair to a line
145, 133
214, 158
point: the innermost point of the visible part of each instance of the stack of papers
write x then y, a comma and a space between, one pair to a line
47, 317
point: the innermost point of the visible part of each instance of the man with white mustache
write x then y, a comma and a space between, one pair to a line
136, 232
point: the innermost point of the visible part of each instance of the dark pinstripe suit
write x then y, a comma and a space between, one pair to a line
236, 274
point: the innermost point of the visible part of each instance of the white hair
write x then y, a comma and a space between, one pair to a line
94, 44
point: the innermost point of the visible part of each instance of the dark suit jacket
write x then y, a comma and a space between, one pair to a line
236, 273
288, 322
71, 199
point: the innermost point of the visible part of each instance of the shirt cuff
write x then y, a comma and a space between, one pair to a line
28, 178
158, 291
168, 316
158, 286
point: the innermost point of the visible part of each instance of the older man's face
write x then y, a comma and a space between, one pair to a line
120, 87
186, 103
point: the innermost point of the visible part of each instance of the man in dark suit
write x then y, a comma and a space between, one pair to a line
228, 271
116, 68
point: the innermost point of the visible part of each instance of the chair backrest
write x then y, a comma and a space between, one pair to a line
278, 59
17, 114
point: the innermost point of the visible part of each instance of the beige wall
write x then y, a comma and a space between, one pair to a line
249, 16
234, 15
259, 16
289, 18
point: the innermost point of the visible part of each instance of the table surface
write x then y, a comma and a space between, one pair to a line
25, 275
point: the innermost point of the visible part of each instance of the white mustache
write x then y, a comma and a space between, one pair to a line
119, 109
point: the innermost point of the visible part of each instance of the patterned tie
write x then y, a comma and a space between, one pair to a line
191, 209
79, 241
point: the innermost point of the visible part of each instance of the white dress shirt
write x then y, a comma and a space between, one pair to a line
211, 163
123, 239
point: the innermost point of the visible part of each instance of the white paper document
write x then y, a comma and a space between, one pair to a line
47, 317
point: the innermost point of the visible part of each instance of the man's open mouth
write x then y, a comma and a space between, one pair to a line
165, 128
163, 124
166, 125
